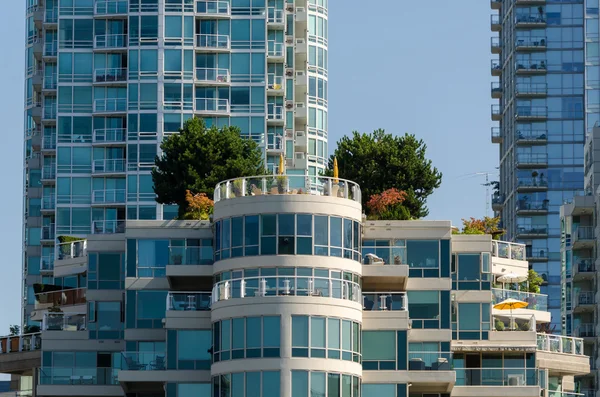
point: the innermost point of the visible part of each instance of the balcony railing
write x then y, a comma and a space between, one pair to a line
213, 41
532, 111
110, 105
108, 227
506, 250
249, 287
71, 250
213, 75
274, 142
275, 49
212, 105
496, 110
429, 361
532, 18
64, 322
111, 196
110, 75
584, 265
78, 376
51, 15
495, 43
586, 298
47, 263
111, 7
559, 344
532, 135
274, 112
49, 142
106, 41
498, 199
287, 184
143, 361
585, 233
274, 82
385, 301
275, 16
50, 49
48, 232
213, 7
50, 81
189, 301
109, 166
533, 229
531, 182
191, 255
21, 343
530, 42
538, 206
49, 202
496, 65
530, 65
500, 377
110, 135
532, 158
535, 301
65, 297
496, 87
531, 88
537, 253
585, 330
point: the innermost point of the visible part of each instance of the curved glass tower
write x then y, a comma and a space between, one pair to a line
107, 80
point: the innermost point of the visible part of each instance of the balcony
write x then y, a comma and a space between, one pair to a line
212, 106
213, 9
496, 67
537, 255
51, 16
78, 380
274, 114
532, 231
274, 143
20, 353
507, 250
495, 23
111, 8
142, 361
49, 115
429, 361
496, 45
109, 137
531, 44
190, 256
559, 344
50, 82
47, 264
48, 203
531, 90
275, 18
496, 4
496, 90
532, 160
48, 233
49, 143
497, 202
61, 298
48, 173
64, 322
583, 237
71, 250
530, 67
530, 2
512, 377
537, 302
110, 197
532, 20
585, 301
585, 330
110, 105
111, 42
275, 51
583, 268
532, 113
189, 301
110, 76
212, 42
496, 113
532, 184
50, 49
212, 76
109, 166
385, 301
108, 227
531, 137
274, 84
526, 207
287, 184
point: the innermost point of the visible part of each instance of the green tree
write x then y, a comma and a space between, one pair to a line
486, 225
379, 161
198, 158
14, 330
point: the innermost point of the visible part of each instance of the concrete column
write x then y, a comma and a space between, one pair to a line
286, 354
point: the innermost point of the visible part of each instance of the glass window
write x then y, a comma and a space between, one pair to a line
423, 253
379, 345
317, 384
193, 344
299, 331
300, 384
424, 304
469, 317
379, 390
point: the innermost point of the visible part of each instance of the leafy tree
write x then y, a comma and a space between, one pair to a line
198, 158
487, 225
14, 330
378, 161
387, 205
199, 206
533, 282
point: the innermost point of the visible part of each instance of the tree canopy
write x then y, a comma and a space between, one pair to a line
198, 158
486, 225
379, 161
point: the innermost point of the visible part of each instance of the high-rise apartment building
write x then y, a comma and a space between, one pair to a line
107, 80
540, 61
289, 292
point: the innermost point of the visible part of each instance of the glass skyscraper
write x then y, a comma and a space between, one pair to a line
107, 80
540, 61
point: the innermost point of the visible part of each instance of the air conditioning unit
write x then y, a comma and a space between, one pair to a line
289, 162
289, 39
289, 72
289, 8
289, 134
299, 155
289, 104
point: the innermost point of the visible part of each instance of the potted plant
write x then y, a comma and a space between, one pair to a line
499, 325
237, 187
524, 326
281, 182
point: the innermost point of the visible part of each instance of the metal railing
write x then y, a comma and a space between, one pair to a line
47, 262
49, 142
530, 18
109, 135
115, 40
64, 322
274, 82
64, 297
586, 298
108, 105
584, 233
79, 376
559, 344
532, 182
275, 16
532, 158
108, 227
213, 75
111, 196
110, 75
143, 361
49, 171
531, 88
21, 343
50, 81
526, 42
212, 105
429, 361
530, 65
49, 202
287, 184
48, 232
533, 229
531, 135
189, 301
524, 205
51, 15
214, 41
500, 377
111, 7
535, 301
275, 49
274, 112
71, 250
250, 287
532, 111
50, 49
191, 255
507, 250
109, 165
585, 330
584, 265
385, 301
495, 64
213, 7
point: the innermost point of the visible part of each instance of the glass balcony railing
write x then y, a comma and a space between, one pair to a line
189, 301
496, 65
51, 15
64, 322
47, 263
49, 142
71, 250
584, 265
496, 44
48, 232
532, 65
109, 135
78, 376
287, 184
532, 182
537, 206
585, 330
110, 41
275, 16
111, 7
507, 250
586, 298
537, 253
21, 343
530, 42
500, 377
533, 18
532, 112
274, 142
496, 88
213, 41
275, 49
531, 88
496, 132
385, 301
108, 227
49, 203
213, 75
213, 7
109, 166
584, 233
532, 229
191, 255
498, 199
429, 361
212, 105
143, 361
535, 301
274, 112
559, 344
496, 110
531, 135
111, 196
532, 158
110, 75
274, 82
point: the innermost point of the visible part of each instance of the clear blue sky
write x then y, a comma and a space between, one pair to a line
406, 66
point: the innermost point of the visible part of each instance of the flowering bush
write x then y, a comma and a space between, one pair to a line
387, 205
199, 206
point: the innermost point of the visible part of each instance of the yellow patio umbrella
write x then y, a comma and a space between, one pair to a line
281, 166
510, 304
336, 172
